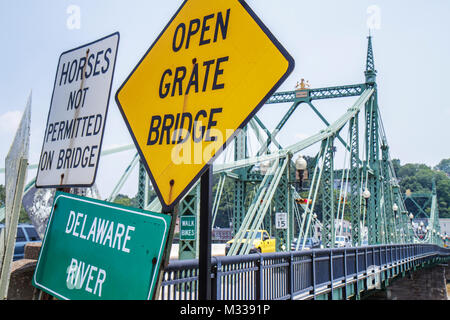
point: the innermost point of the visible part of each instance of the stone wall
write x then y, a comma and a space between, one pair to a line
20, 287
424, 284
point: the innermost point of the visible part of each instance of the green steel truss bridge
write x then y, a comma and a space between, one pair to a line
266, 182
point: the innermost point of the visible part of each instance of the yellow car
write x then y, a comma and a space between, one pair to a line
262, 243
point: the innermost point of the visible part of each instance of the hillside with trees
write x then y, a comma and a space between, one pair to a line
419, 178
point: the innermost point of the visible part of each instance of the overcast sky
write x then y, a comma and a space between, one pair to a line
327, 39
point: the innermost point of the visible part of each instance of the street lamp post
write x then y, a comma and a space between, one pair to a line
366, 196
300, 166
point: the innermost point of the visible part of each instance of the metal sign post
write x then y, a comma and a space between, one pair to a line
167, 249
204, 278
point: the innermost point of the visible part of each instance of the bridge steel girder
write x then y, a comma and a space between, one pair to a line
281, 204
328, 199
407, 234
424, 205
355, 181
434, 214
277, 129
142, 195
374, 222
240, 187
318, 94
257, 210
391, 236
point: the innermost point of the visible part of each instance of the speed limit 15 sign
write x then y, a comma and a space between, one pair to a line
281, 220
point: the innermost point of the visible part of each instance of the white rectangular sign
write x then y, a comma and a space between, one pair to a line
281, 220
77, 115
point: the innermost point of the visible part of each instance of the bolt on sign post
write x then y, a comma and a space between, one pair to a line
77, 115
94, 249
209, 71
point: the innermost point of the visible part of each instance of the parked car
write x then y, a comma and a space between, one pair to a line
25, 233
342, 241
310, 243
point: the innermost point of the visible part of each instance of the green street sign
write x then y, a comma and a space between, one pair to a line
187, 228
94, 249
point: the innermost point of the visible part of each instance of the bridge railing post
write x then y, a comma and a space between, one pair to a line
365, 267
411, 256
405, 257
356, 286
386, 255
216, 280
313, 273
392, 256
331, 272
380, 257
259, 278
402, 257
416, 255
345, 273
408, 256
290, 277
373, 256
386, 262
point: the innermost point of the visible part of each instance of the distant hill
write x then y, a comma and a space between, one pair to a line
419, 177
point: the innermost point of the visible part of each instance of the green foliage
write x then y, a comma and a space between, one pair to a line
2, 195
123, 200
126, 201
23, 216
444, 166
419, 178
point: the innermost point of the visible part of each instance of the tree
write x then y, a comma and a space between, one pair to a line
419, 178
123, 200
2, 195
444, 166
23, 216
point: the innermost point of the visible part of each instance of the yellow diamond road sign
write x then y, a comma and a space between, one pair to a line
208, 72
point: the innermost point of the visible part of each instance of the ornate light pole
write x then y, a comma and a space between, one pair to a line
300, 166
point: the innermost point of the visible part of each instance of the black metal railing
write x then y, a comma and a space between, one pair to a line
296, 274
